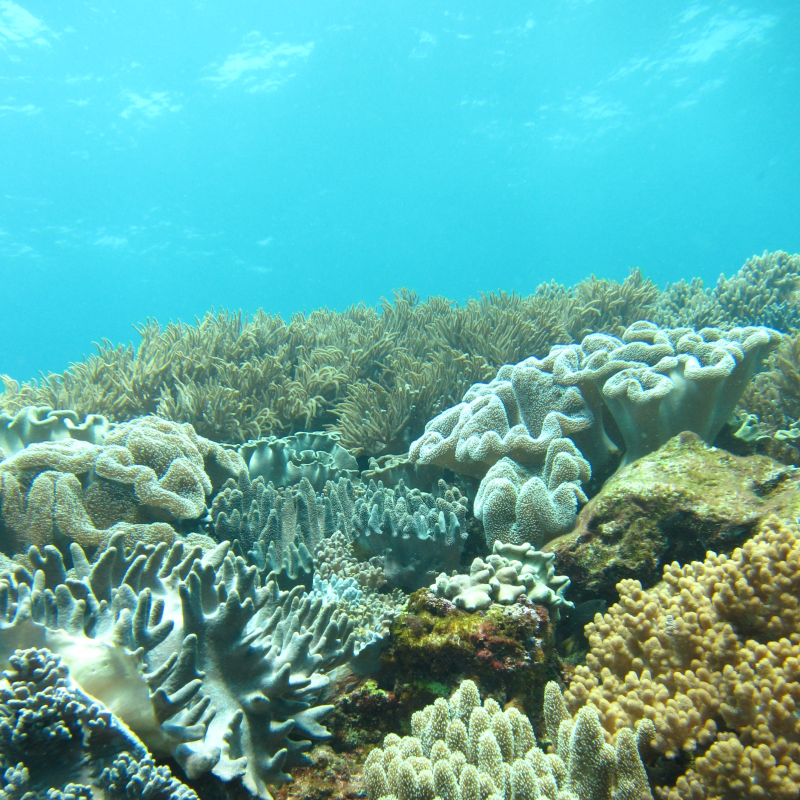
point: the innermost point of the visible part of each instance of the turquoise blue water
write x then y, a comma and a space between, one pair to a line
158, 158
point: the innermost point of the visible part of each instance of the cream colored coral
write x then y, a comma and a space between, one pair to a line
717, 642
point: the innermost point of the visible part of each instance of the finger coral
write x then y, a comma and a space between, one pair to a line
464, 750
191, 651
713, 648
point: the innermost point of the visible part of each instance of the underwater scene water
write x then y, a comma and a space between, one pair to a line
400, 401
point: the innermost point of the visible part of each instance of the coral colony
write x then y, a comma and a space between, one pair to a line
525, 547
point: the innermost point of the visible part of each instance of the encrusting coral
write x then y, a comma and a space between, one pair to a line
146, 476
57, 741
464, 750
191, 651
711, 657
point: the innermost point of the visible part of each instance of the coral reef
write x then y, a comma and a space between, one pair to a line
462, 750
507, 649
317, 457
189, 650
673, 504
509, 573
533, 432
57, 741
710, 656
146, 474
372, 375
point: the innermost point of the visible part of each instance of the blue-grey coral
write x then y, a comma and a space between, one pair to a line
417, 534
191, 651
277, 530
43, 424
56, 740
316, 456
508, 574
464, 750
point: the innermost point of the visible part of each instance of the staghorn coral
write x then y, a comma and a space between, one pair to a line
762, 292
191, 651
714, 646
509, 573
147, 476
57, 740
462, 750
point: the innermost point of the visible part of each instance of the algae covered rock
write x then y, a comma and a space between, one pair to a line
508, 649
673, 504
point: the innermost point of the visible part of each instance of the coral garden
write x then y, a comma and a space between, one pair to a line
524, 547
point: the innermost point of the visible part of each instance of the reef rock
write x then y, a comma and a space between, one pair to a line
674, 504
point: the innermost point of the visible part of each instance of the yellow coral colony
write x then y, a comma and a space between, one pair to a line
716, 644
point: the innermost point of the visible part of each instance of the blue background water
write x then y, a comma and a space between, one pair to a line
158, 158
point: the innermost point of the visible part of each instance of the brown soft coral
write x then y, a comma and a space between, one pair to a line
148, 473
717, 644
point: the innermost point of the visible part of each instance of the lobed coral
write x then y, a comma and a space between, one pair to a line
57, 740
191, 651
711, 657
462, 750
145, 478
318, 457
42, 424
509, 573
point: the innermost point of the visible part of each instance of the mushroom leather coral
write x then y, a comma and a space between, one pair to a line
145, 474
190, 650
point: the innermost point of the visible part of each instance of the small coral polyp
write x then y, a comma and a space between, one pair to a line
189, 650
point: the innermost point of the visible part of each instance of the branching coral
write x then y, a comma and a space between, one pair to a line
716, 646
462, 750
190, 650
58, 741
